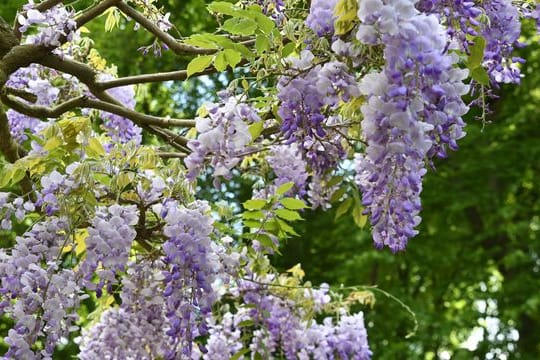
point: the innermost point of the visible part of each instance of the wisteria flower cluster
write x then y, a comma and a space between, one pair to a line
305, 97
40, 296
413, 112
52, 24
223, 135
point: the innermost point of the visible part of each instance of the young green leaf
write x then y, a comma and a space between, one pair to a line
343, 208
254, 204
240, 26
284, 188
289, 215
199, 64
256, 129
293, 204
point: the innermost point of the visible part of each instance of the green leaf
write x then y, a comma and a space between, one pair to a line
18, 174
334, 181
256, 129
53, 143
112, 20
288, 49
202, 41
245, 323
345, 12
222, 7
262, 43
219, 62
264, 239
338, 194
199, 64
254, 204
241, 352
94, 148
252, 224
476, 53
293, 204
343, 208
359, 219
289, 215
284, 188
286, 227
5, 175
253, 215
480, 75
265, 23
240, 26
232, 57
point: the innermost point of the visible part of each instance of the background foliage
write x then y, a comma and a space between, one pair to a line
475, 266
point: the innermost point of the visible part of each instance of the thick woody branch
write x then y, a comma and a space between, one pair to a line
171, 155
8, 146
95, 11
7, 39
85, 102
171, 42
179, 75
14, 56
28, 96
175, 140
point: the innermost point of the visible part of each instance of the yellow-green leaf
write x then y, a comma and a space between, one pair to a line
289, 215
94, 148
254, 204
292, 203
199, 64
240, 26
282, 189
219, 62
52, 143
232, 57
343, 207
256, 129
359, 219
345, 12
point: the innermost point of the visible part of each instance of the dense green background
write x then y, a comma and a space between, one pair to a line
479, 236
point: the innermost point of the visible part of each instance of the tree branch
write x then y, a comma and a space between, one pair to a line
179, 75
86, 102
171, 42
95, 11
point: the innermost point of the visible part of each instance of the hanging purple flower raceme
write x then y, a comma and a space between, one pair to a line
305, 97
9, 207
413, 112
109, 240
501, 32
280, 330
273, 8
223, 135
459, 16
117, 335
40, 296
52, 24
288, 166
135, 330
321, 17
191, 266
